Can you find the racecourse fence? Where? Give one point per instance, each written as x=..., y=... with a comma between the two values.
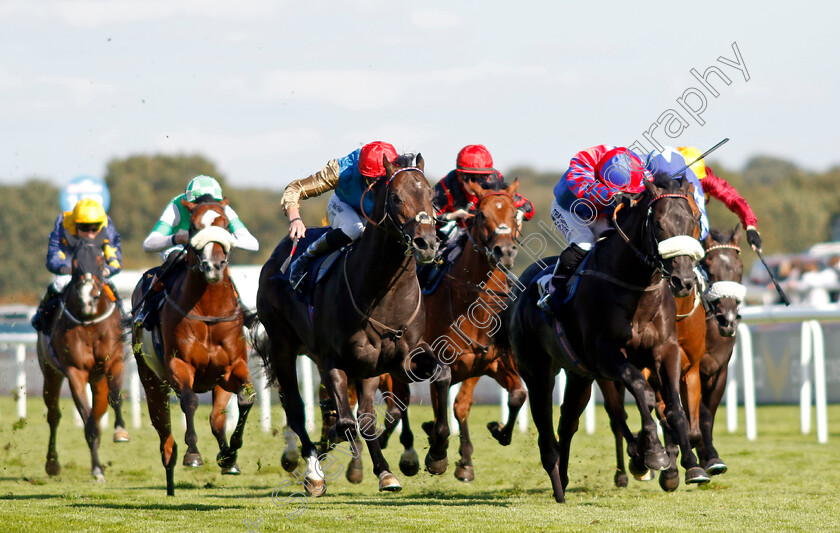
x=762, y=369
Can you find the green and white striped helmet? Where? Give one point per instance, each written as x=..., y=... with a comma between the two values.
x=201, y=185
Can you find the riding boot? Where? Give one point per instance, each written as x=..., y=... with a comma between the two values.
x=566, y=265
x=326, y=243
x=46, y=308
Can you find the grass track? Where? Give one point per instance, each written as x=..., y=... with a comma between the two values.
x=784, y=481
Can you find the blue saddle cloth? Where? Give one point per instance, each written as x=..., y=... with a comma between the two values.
x=318, y=267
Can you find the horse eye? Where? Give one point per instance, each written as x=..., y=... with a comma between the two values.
x=395, y=199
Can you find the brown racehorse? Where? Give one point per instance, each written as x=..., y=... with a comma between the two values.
x=723, y=265
x=85, y=346
x=202, y=341
x=365, y=319
x=462, y=316
x=620, y=320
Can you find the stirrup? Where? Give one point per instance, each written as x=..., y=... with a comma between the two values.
x=296, y=286
x=544, y=305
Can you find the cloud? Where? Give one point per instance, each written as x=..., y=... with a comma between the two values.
x=433, y=19
x=93, y=13
x=83, y=90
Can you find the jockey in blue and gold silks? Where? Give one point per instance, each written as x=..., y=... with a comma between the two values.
x=87, y=219
x=349, y=177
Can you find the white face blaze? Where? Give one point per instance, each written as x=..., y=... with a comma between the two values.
x=86, y=295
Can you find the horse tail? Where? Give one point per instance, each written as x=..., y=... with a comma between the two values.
x=261, y=345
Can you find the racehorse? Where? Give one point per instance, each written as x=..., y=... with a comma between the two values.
x=723, y=265
x=203, y=346
x=365, y=319
x=85, y=346
x=462, y=316
x=620, y=319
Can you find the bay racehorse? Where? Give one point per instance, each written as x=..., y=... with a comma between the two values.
x=619, y=320
x=202, y=343
x=85, y=346
x=725, y=269
x=365, y=319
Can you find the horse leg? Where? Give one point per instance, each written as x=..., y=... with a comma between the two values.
x=240, y=381
x=510, y=381
x=182, y=376
x=541, y=388
x=368, y=429
x=53, y=380
x=464, y=470
x=708, y=455
x=667, y=356
x=78, y=381
x=614, y=406
x=157, y=398
x=115, y=373
x=355, y=469
x=92, y=430
x=393, y=414
x=575, y=399
x=409, y=461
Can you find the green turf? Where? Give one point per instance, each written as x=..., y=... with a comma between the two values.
x=783, y=481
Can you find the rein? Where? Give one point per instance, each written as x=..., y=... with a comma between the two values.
x=96, y=320
x=398, y=333
x=201, y=318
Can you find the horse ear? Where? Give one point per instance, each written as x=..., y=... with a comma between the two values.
x=72, y=240
x=100, y=237
x=419, y=161
x=475, y=188
x=650, y=187
x=189, y=205
x=511, y=190
x=389, y=168
x=690, y=188
x=708, y=241
x=224, y=202
x=736, y=235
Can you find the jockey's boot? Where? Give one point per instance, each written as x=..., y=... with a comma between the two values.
x=46, y=308
x=566, y=265
x=330, y=241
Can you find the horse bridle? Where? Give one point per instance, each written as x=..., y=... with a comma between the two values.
x=724, y=289
x=420, y=218
x=677, y=245
x=87, y=277
x=199, y=266
x=489, y=240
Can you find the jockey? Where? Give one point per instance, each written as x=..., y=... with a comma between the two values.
x=86, y=220
x=583, y=197
x=455, y=201
x=171, y=232
x=349, y=177
x=719, y=188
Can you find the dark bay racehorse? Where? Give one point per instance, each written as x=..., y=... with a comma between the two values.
x=366, y=319
x=202, y=341
x=620, y=319
x=723, y=265
x=86, y=347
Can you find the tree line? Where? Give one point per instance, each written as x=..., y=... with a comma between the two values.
x=795, y=209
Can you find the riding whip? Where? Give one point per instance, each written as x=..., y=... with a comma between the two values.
x=707, y=152
x=288, y=260
x=773, y=277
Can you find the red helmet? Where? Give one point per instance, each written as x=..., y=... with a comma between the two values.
x=370, y=159
x=475, y=159
x=619, y=168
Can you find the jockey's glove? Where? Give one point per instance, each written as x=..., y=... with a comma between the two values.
x=753, y=237
x=458, y=213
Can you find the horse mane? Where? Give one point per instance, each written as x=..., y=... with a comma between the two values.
x=205, y=199
x=406, y=160
x=723, y=237
x=663, y=180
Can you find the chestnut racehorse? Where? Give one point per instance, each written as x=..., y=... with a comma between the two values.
x=365, y=319
x=202, y=341
x=85, y=346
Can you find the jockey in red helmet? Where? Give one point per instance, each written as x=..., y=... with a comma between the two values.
x=348, y=176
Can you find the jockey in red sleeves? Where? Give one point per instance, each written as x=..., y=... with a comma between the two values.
x=474, y=163
x=719, y=188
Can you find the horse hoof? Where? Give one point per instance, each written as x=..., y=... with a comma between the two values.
x=53, y=468
x=496, y=430
x=669, y=480
x=696, y=475
x=226, y=459
x=388, y=482
x=315, y=487
x=436, y=467
x=657, y=460
x=620, y=479
x=648, y=475
x=98, y=474
x=289, y=460
x=121, y=435
x=193, y=460
x=409, y=462
x=232, y=470
x=637, y=467
x=715, y=467
x=465, y=473
x=355, y=473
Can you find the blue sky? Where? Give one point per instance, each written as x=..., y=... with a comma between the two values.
x=270, y=90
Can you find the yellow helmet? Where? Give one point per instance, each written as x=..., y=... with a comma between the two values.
x=691, y=153
x=89, y=211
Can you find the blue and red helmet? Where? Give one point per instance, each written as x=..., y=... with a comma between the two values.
x=622, y=169
x=370, y=158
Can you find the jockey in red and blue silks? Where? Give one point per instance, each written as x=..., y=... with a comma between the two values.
x=583, y=196
x=349, y=177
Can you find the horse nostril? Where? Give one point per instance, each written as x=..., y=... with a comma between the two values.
x=497, y=251
x=420, y=243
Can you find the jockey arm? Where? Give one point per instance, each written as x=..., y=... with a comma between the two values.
x=322, y=181
x=58, y=261
x=112, y=247
x=719, y=188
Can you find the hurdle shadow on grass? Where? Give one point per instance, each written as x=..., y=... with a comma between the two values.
x=30, y=496
x=155, y=506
